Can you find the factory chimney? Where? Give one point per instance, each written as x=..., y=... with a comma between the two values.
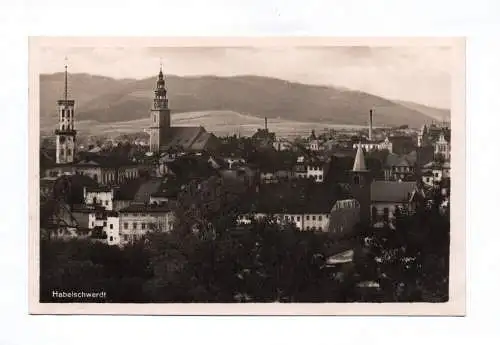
x=370, y=129
x=265, y=121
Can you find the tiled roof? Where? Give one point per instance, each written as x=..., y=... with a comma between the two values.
x=168, y=189
x=146, y=189
x=146, y=208
x=302, y=197
x=190, y=166
x=188, y=138
x=105, y=161
x=401, y=160
x=87, y=208
x=98, y=189
x=128, y=189
x=391, y=191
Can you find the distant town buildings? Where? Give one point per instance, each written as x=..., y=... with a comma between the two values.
x=116, y=193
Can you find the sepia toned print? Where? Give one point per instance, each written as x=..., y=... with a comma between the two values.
x=247, y=176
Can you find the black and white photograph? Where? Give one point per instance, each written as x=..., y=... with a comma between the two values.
x=246, y=172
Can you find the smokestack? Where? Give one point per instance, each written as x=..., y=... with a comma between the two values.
x=265, y=119
x=370, y=129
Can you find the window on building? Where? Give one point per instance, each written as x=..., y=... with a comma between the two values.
x=106, y=202
x=111, y=238
x=307, y=217
x=320, y=218
x=298, y=218
x=313, y=228
x=111, y=226
x=356, y=179
x=143, y=226
x=125, y=225
x=374, y=214
x=104, y=223
x=125, y=237
x=134, y=225
x=308, y=228
x=314, y=217
x=386, y=214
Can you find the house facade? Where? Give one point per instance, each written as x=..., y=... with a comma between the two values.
x=137, y=220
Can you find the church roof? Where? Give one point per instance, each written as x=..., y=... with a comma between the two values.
x=187, y=138
x=359, y=161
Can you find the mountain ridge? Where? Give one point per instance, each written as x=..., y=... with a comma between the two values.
x=108, y=100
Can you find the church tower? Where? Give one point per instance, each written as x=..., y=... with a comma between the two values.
x=65, y=132
x=361, y=185
x=160, y=116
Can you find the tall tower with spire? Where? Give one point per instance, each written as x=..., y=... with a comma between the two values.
x=65, y=132
x=361, y=185
x=160, y=115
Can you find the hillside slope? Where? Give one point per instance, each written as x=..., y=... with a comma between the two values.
x=108, y=100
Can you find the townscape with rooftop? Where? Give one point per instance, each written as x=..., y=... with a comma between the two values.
x=337, y=183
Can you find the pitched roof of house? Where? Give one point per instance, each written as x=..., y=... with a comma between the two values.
x=146, y=208
x=401, y=160
x=168, y=189
x=301, y=197
x=146, y=189
x=128, y=189
x=104, y=161
x=392, y=191
x=190, y=166
x=98, y=189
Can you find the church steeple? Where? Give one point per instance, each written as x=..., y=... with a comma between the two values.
x=160, y=99
x=65, y=132
x=360, y=184
x=66, y=79
x=160, y=115
x=359, y=161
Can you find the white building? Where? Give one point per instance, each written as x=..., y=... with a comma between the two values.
x=137, y=220
x=438, y=171
x=282, y=145
x=367, y=146
x=315, y=171
x=314, y=145
x=101, y=196
x=112, y=228
x=442, y=147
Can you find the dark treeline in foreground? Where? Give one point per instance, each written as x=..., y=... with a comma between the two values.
x=259, y=263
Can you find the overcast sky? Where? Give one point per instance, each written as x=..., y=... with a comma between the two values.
x=417, y=74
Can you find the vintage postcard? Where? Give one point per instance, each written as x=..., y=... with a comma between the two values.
x=247, y=176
